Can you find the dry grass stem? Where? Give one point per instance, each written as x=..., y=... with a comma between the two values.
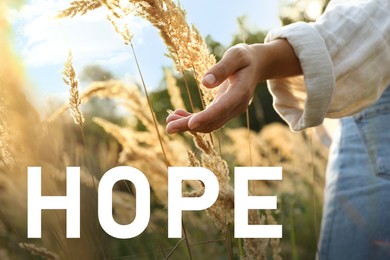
x=130, y=95
x=155, y=124
x=80, y=7
x=193, y=161
x=142, y=158
x=74, y=97
x=39, y=251
x=222, y=211
x=185, y=44
x=255, y=248
x=120, y=27
x=173, y=91
x=275, y=242
x=5, y=154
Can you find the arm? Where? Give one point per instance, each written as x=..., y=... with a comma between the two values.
x=238, y=72
x=344, y=58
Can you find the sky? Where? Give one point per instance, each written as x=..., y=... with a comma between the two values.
x=43, y=42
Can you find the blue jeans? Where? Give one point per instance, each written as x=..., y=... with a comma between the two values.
x=356, y=217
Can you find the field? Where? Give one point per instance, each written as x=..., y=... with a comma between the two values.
x=136, y=137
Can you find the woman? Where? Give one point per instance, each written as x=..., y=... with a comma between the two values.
x=337, y=67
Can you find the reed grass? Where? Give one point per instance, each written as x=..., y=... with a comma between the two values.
x=74, y=96
x=26, y=139
x=39, y=251
x=79, y=7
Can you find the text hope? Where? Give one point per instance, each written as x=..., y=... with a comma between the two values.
x=176, y=202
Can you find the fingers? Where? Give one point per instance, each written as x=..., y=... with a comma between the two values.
x=178, y=125
x=173, y=117
x=177, y=114
x=181, y=112
x=234, y=59
x=229, y=105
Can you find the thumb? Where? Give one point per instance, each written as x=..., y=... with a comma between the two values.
x=234, y=59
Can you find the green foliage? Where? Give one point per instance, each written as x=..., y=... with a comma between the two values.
x=297, y=10
x=95, y=73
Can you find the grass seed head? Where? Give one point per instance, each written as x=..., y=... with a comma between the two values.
x=74, y=96
x=79, y=7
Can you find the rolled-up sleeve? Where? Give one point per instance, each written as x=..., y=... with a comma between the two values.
x=345, y=59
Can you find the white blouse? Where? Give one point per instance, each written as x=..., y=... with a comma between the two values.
x=345, y=59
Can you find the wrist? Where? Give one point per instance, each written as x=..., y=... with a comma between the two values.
x=261, y=59
x=275, y=59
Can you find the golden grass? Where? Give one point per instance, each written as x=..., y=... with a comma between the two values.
x=79, y=7
x=26, y=140
x=185, y=45
x=74, y=96
x=173, y=91
x=39, y=251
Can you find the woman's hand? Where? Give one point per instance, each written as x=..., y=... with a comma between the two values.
x=237, y=74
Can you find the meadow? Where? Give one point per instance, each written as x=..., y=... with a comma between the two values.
x=75, y=136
